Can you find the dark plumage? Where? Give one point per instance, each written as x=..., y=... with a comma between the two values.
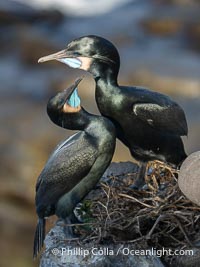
x=150, y=124
x=76, y=164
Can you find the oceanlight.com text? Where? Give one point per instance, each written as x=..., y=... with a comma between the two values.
x=79, y=251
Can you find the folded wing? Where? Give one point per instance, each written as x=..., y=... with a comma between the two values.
x=164, y=118
x=65, y=168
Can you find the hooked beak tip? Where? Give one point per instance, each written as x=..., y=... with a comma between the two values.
x=55, y=56
x=46, y=58
x=78, y=80
x=40, y=60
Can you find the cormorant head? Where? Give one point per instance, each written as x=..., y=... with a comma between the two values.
x=67, y=101
x=90, y=53
x=64, y=108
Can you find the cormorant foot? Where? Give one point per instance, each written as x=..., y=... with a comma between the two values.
x=140, y=179
x=69, y=230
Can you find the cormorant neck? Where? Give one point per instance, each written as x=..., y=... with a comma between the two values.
x=103, y=71
x=72, y=121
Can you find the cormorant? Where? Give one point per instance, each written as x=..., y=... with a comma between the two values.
x=150, y=124
x=76, y=164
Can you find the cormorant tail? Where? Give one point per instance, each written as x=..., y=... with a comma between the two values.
x=39, y=237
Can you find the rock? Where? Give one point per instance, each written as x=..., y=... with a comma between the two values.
x=167, y=84
x=189, y=261
x=193, y=35
x=61, y=253
x=188, y=180
x=181, y=2
x=12, y=13
x=121, y=168
x=162, y=27
x=33, y=45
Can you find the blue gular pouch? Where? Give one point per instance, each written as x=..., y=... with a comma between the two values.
x=74, y=100
x=72, y=62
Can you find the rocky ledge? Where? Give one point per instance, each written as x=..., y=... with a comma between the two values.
x=69, y=253
x=123, y=227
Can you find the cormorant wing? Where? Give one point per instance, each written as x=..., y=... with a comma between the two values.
x=62, y=144
x=67, y=165
x=168, y=118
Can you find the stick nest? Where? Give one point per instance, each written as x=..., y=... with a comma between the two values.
x=158, y=216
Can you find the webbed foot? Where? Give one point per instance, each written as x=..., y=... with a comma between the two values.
x=140, y=179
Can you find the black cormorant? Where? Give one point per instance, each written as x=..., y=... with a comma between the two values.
x=77, y=164
x=150, y=124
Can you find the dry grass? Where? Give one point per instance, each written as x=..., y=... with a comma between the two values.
x=159, y=216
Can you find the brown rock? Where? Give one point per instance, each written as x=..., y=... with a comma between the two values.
x=34, y=45
x=162, y=26
x=167, y=84
x=189, y=177
x=181, y=2
x=193, y=35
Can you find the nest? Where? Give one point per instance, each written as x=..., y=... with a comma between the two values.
x=158, y=216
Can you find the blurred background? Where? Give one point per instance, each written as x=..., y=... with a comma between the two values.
x=159, y=45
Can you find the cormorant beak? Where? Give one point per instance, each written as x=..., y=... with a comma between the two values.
x=66, y=101
x=56, y=56
x=68, y=57
x=69, y=91
x=75, y=60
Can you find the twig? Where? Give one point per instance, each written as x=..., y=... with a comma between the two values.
x=154, y=226
x=136, y=200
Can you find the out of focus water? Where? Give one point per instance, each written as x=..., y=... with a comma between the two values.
x=159, y=44
x=78, y=7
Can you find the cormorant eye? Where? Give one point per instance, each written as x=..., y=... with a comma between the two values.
x=77, y=54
